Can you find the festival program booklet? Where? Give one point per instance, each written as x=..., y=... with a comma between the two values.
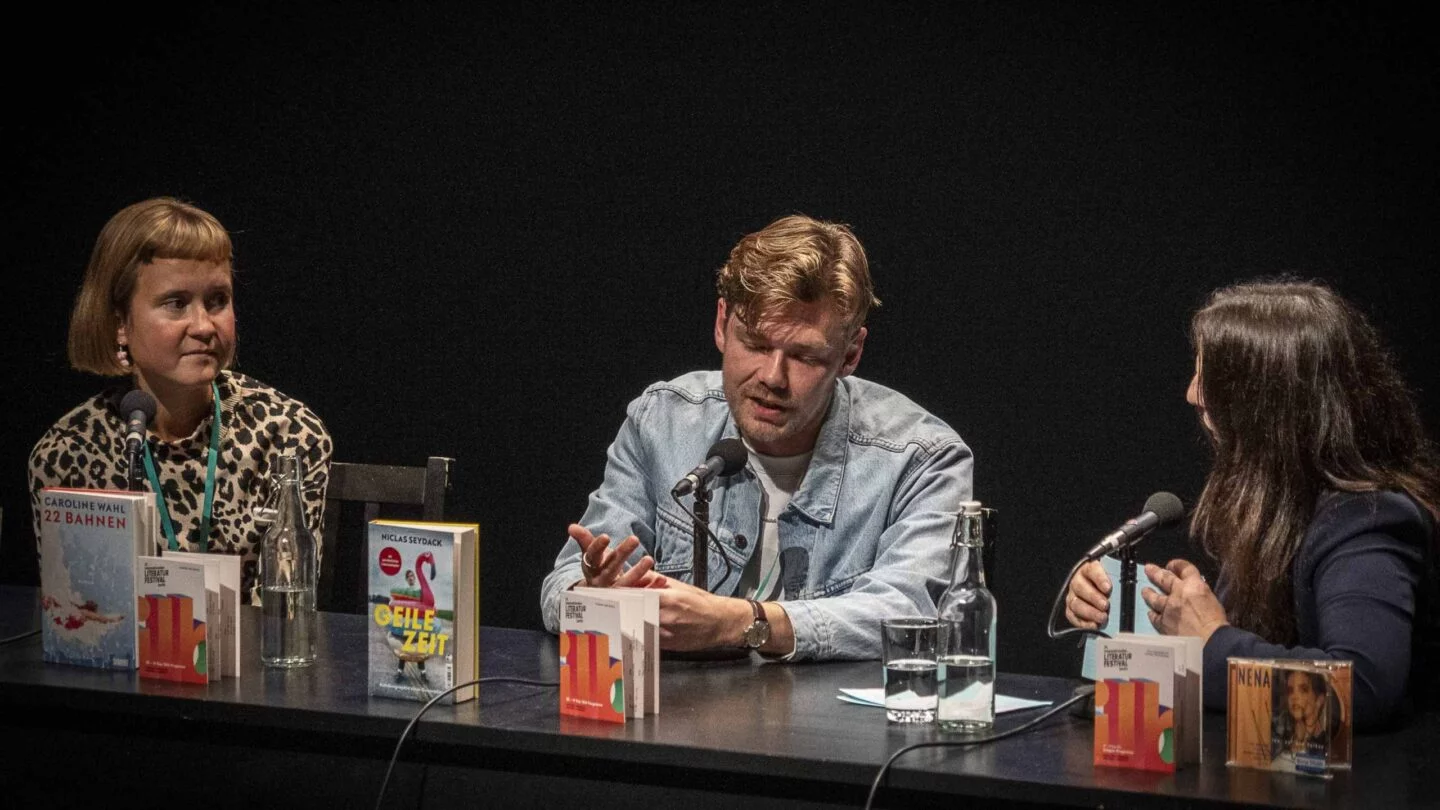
x=222, y=584
x=1148, y=702
x=171, y=609
x=609, y=653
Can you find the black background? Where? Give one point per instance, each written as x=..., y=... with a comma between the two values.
x=479, y=232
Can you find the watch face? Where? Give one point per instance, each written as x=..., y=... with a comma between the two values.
x=757, y=634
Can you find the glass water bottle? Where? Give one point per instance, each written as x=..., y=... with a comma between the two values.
x=288, y=572
x=967, y=632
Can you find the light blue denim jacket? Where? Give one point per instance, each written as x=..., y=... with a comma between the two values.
x=866, y=536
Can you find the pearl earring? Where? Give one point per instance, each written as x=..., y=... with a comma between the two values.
x=123, y=356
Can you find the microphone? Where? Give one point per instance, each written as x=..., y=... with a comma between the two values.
x=1161, y=509
x=138, y=409
x=726, y=457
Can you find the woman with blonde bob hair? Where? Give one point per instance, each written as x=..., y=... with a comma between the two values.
x=156, y=309
x=1319, y=508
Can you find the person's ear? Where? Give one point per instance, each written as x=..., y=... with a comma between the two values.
x=853, y=352
x=722, y=315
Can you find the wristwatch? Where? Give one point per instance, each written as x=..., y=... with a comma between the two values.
x=759, y=630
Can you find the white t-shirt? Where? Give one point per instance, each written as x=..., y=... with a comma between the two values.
x=780, y=476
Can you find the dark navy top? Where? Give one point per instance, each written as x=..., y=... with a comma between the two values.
x=1363, y=592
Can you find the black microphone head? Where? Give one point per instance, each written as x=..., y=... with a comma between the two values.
x=138, y=400
x=1166, y=507
x=734, y=454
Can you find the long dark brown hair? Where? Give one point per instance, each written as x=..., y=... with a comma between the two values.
x=1301, y=397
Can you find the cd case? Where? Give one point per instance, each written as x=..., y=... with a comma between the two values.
x=1291, y=716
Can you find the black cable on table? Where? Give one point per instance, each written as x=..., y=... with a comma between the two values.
x=875, y=786
x=395, y=757
x=21, y=637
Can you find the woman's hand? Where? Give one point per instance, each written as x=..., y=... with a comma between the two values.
x=1087, y=602
x=1184, y=605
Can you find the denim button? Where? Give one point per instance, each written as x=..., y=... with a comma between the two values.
x=741, y=542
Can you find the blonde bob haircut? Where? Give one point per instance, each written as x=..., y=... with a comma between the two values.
x=159, y=228
x=798, y=259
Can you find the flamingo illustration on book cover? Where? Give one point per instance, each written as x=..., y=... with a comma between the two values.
x=412, y=613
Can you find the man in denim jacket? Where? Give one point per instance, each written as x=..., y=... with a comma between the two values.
x=843, y=515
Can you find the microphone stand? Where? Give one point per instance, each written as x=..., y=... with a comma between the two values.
x=1127, y=589
x=699, y=566
x=701, y=534
x=134, y=477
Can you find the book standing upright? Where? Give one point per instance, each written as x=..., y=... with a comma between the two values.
x=89, y=543
x=222, y=586
x=424, y=609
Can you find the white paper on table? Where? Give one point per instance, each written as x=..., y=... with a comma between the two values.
x=876, y=697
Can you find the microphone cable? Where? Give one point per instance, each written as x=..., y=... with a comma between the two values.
x=19, y=637
x=385, y=783
x=710, y=539
x=1055, y=611
x=1054, y=710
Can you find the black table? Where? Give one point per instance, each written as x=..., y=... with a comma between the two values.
x=744, y=734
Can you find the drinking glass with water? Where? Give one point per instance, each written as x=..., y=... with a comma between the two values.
x=910, y=646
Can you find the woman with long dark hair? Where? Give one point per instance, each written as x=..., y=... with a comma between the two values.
x=1320, y=505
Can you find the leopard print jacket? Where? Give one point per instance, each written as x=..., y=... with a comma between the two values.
x=86, y=448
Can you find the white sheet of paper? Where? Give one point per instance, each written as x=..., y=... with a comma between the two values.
x=876, y=697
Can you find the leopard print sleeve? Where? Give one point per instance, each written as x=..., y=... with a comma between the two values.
x=82, y=450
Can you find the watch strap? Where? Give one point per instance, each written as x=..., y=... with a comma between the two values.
x=759, y=611
x=759, y=630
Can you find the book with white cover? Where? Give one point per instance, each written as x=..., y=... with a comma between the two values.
x=89, y=542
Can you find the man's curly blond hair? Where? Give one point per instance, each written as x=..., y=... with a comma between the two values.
x=798, y=259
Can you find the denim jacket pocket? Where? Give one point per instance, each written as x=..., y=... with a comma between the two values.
x=674, y=541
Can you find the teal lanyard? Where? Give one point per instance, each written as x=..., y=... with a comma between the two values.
x=763, y=591
x=202, y=539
